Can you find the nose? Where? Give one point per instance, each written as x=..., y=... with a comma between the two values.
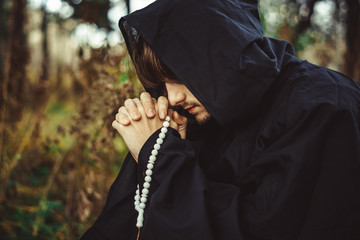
x=174, y=94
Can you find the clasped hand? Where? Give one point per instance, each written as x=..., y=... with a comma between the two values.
x=138, y=119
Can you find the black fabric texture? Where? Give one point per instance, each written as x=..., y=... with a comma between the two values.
x=280, y=159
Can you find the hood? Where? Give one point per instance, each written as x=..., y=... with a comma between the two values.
x=216, y=48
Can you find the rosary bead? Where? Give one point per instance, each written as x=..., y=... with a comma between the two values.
x=140, y=201
x=149, y=172
x=145, y=191
x=137, y=206
x=156, y=146
x=150, y=166
x=164, y=130
x=146, y=185
x=148, y=179
x=159, y=141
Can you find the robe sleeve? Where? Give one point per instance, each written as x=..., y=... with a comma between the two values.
x=117, y=219
x=307, y=186
x=183, y=203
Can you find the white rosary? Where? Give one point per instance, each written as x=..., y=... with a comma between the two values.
x=140, y=202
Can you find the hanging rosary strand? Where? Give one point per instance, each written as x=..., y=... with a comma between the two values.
x=140, y=201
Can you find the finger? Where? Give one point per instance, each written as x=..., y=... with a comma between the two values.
x=122, y=118
x=132, y=109
x=148, y=105
x=180, y=120
x=163, y=105
x=155, y=104
x=115, y=124
x=173, y=124
x=139, y=106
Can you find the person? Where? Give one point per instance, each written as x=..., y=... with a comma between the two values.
x=261, y=145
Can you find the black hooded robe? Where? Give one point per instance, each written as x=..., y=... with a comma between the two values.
x=279, y=160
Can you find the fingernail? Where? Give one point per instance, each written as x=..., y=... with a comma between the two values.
x=162, y=114
x=124, y=121
x=151, y=112
x=135, y=115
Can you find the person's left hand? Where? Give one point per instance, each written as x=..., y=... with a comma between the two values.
x=138, y=131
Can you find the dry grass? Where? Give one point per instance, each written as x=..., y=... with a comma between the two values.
x=61, y=157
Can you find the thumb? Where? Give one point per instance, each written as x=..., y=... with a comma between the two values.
x=181, y=121
x=172, y=122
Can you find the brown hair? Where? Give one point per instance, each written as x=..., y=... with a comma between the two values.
x=152, y=72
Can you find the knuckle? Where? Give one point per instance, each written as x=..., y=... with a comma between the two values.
x=122, y=116
x=138, y=103
x=116, y=125
x=128, y=102
x=146, y=99
x=142, y=94
x=122, y=109
x=162, y=99
x=145, y=95
x=147, y=103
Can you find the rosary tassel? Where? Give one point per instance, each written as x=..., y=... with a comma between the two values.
x=137, y=238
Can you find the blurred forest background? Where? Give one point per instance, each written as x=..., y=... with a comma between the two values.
x=64, y=73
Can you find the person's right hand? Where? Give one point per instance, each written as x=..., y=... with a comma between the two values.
x=152, y=107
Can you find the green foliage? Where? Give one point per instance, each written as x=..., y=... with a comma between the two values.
x=63, y=155
x=309, y=37
x=263, y=22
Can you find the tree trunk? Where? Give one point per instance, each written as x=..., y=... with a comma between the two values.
x=352, y=55
x=127, y=5
x=3, y=34
x=45, y=52
x=13, y=77
x=305, y=16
